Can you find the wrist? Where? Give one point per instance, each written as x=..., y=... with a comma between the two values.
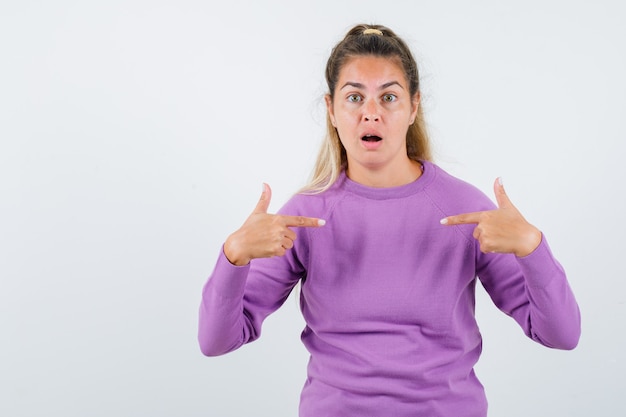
x=233, y=255
x=531, y=241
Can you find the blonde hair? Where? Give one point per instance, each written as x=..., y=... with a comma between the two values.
x=368, y=40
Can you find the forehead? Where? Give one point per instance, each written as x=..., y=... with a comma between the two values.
x=367, y=69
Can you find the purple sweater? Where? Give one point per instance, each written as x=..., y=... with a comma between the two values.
x=388, y=299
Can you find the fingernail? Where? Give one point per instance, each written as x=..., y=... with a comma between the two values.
x=500, y=181
x=443, y=221
x=321, y=222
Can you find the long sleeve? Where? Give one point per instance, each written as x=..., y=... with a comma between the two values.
x=237, y=299
x=222, y=325
x=535, y=292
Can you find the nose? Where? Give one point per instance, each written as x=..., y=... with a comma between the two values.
x=371, y=112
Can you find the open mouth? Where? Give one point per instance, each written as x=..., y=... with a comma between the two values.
x=371, y=138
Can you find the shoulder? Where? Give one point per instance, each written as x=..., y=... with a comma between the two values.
x=313, y=204
x=453, y=195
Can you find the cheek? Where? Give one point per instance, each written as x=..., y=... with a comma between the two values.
x=345, y=117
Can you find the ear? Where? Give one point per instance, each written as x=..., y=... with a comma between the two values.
x=415, y=105
x=329, y=109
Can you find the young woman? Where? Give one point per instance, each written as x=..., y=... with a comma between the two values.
x=387, y=248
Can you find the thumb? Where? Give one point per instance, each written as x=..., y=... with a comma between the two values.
x=501, y=197
x=264, y=201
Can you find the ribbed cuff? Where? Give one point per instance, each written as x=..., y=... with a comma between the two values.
x=540, y=267
x=229, y=280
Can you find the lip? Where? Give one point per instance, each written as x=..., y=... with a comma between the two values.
x=371, y=145
x=371, y=133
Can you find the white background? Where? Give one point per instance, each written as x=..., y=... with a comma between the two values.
x=135, y=135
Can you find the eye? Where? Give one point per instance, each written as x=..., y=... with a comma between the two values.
x=354, y=98
x=388, y=98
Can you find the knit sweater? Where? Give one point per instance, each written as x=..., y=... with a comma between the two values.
x=388, y=296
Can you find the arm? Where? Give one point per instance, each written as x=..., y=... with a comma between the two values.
x=254, y=274
x=518, y=270
x=535, y=292
x=223, y=324
x=237, y=299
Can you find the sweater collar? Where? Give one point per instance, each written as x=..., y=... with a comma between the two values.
x=374, y=193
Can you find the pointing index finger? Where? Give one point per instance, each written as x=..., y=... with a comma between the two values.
x=303, y=221
x=465, y=218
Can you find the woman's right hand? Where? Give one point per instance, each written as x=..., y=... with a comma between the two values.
x=264, y=235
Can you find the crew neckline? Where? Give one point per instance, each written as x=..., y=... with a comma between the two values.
x=384, y=193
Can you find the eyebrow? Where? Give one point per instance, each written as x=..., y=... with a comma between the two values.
x=382, y=87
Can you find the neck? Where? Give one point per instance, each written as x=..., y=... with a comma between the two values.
x=385, y=178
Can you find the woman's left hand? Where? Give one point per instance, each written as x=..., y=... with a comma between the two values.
x=503, y=230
